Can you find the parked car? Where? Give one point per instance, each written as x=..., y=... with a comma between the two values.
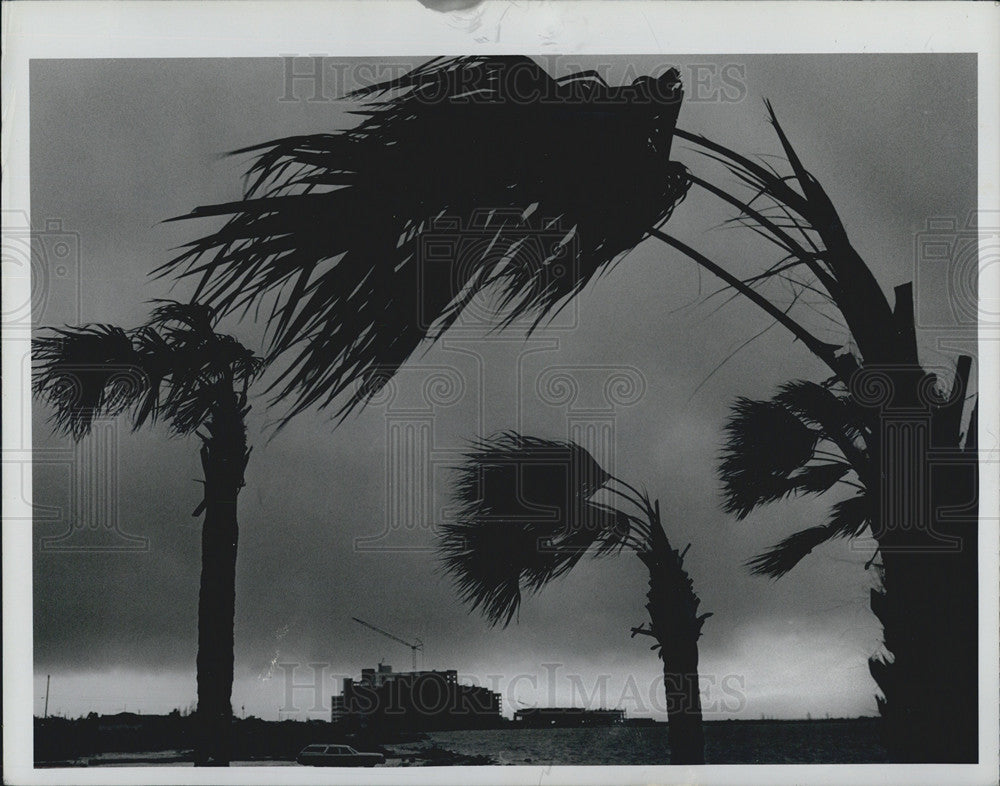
x=337, y=756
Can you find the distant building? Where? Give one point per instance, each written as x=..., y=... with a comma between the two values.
x=544, y=717
x=414, y=701
x=122, y=722
x=338, y=709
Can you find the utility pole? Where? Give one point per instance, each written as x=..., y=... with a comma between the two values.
x=48, y=679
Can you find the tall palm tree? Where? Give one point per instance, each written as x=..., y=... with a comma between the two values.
x=897, y=426
x=529, y=509
x=178, y=369
x=331, y=236
x=814, y=439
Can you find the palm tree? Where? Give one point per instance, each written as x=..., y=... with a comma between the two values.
x=813, y=439
x=897, y=427
x=331, y=236
x=529, y=509
x=178, y=369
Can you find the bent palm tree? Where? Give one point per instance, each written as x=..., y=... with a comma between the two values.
x=534, y=186
x=178, y=369
x=528, y=511
x=898, y=428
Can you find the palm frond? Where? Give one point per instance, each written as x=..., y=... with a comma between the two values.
x=524, y=517
x=87, y=373
x=849, y=518
x=820, y=406
x=784, y=556
x=839, y=418
x=467, y=177
x=200, y=366
x=771, y=447
x=765, y=443
x=825, y=247
x=197, y=318
x=175, y=367
x=817, y=478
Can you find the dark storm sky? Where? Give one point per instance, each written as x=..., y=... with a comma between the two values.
x=117, y=146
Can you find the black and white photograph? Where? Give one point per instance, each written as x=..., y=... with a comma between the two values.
x=533, y=392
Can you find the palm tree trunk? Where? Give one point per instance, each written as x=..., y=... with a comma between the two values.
x=224, y=457
x=928, y=601
x=680, y=685
x=676, y=626
x=927, y=607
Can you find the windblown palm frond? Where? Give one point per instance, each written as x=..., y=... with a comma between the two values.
x=468, y=177
x=87, y=373
x=525, y=516
x=805, y=440
x=818, y=405
x=794, y=212
x=780, y=559
x=199, y=364
x=174, y=367
x=849, y=519
x=765, y=444
x=772, y=447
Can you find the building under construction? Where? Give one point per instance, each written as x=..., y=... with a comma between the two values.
x=413, y=701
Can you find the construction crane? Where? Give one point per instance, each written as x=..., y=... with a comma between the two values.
x=418, y=645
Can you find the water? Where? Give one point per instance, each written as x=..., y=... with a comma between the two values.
x=763, y=742
x=736, y=742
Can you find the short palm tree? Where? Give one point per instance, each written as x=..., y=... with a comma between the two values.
x=538, y=185
x=529, y=509
x=174, y=368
